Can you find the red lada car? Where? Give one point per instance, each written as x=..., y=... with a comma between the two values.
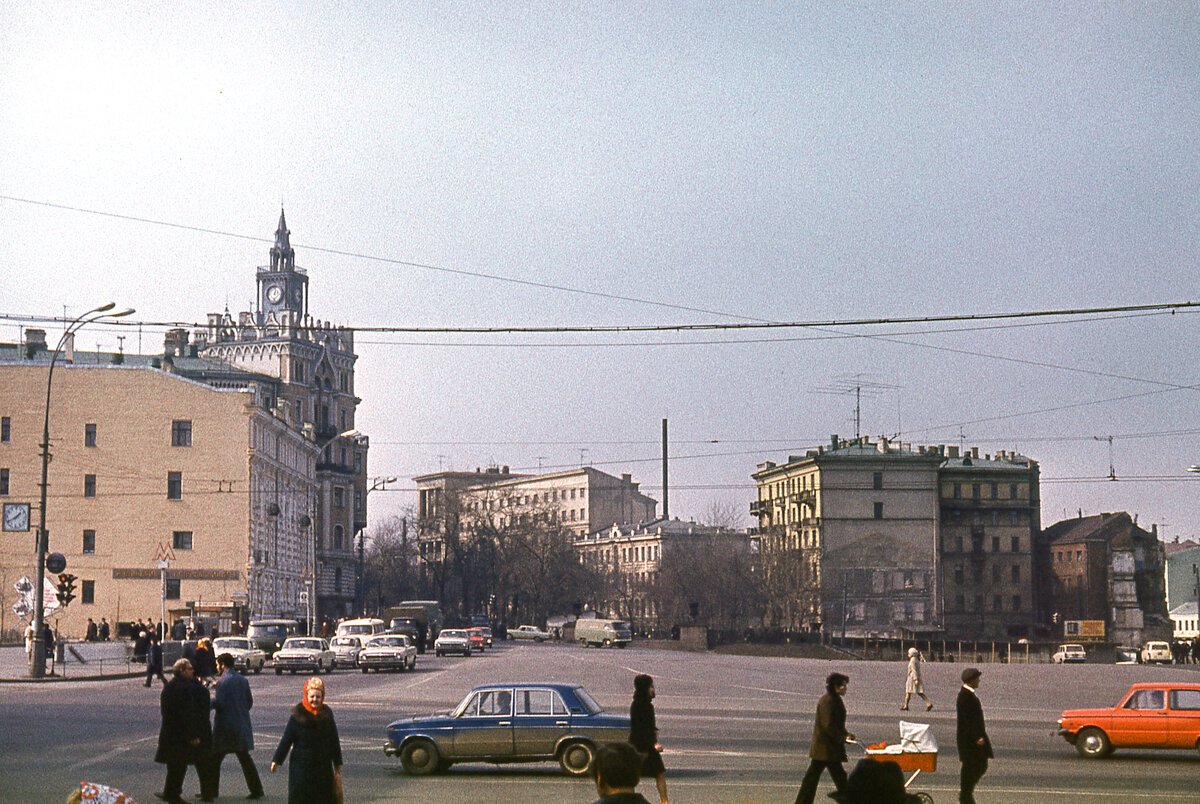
x=1162, y=715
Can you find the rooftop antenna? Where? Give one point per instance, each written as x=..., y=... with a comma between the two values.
x=1112, y=472
x=441, y=459
x=540, y=458
x=121, y=344
x=582, y=453
x=859, y=385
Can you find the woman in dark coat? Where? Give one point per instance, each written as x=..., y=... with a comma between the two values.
x=643, y=733
x=312, y=737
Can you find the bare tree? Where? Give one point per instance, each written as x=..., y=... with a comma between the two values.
x=708, y=580
x=390, y=563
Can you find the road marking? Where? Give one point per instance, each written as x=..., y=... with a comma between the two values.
x=110, y=755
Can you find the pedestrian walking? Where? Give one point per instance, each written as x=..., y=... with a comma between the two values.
x=205, y=661
x=974, y=747
x=643, y=733
x=185, y=737
x=92, y=631
x=154, y=660
x=103, y=631
x=617, y=769
x=828, y=749
x=141, y=641
x=30, y=633
x=232, y=733
x=912, y=684
x=315, y=769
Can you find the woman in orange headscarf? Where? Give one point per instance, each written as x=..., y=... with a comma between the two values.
x=315, y=771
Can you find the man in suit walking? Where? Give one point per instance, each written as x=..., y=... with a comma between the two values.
x=828, y=750
x=974, y=747
x=232, y=733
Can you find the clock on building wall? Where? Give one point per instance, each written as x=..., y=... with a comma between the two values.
x=16, y=516
x=274, y=294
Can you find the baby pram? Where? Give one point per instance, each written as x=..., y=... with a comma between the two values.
x=872, y=781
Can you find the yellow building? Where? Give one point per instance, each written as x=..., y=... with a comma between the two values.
x=148, y=466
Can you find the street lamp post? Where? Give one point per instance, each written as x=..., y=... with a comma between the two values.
x=377, y=484
x=37, y=667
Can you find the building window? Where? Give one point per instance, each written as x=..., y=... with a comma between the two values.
x=181, y=540
x=975, y=491
x=877, y=481
x=339, y=535
x=89, y=435
x=174, y=485
x=89, y=542
x=995, y=544
x=1014, y=518
x=995, y=517
x=5, y=429
x=172, y=588
x=87, y=593
x=1016, y=573
x=879, y=510
x=1012, y=490
x=996, y=574
x=358, y=502
x=957, y=490
x=582, y=493
x=998, y=603
x=337, y=580
x=3, y=482
x=1016, y=544
x=958, y=544
x=181, y=433
x=339, y=495
x=995, y=491
x=89, y=485
x=1016, y=602
x=958, y=575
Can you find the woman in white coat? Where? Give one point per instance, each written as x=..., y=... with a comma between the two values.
x=912, y=684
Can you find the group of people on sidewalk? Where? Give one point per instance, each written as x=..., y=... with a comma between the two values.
x=187, y=738
x=872, y=781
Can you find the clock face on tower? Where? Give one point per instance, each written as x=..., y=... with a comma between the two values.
x=274, y=294
x=16, y=516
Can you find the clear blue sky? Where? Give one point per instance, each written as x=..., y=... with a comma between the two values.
x=755, y=161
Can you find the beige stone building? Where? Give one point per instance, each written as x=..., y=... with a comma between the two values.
x=148, y=465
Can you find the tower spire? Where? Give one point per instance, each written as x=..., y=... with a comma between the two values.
x=283, y=257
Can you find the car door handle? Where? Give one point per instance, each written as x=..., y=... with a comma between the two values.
x=505, y=722
x=562, y=723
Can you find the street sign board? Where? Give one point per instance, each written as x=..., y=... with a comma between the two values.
x=56, y=563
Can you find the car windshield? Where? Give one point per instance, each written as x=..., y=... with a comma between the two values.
x=386, y=642
x=232, y=642
x=303, y=644
x=454, y=634
x=356, y=629
x=344, y=642
x=267, y=630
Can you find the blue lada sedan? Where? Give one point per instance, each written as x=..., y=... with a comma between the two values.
x=509, y=722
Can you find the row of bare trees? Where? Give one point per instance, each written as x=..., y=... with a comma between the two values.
x=527, y=570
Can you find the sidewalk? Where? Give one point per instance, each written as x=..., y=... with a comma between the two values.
x=84, y=662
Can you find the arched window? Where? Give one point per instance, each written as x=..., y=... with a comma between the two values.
x=338, y=535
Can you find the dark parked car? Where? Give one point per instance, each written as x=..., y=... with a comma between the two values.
x=509, y=722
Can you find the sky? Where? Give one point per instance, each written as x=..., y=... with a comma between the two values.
x=490, y=165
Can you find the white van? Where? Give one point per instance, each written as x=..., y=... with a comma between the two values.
x=603, y=632
x=362, y=627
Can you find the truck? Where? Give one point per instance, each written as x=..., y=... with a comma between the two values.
x=607, y=633
x=427, y=614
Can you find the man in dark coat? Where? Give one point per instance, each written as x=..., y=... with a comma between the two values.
x=232, y=733
x=103, y=631
x=828, y=750
x=154, y=660
x=186, y=736
x=974, y=747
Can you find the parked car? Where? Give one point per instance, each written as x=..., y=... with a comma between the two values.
x=1069, y=653
x=311, y=654
x=1124, y=654
x=606, y=633
x=388, y=652
x=246, y=655
x=1157, y=653
x=346, y=650
x=452, y=640
x=478, y=641
x=529, y=632
x=1149, y=715
x=270, y=634
x=511, y=722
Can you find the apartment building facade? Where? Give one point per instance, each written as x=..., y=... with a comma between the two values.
x=867, y=538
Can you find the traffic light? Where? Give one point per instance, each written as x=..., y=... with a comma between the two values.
x=66, y=588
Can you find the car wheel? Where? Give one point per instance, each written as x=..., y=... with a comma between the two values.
x=576, y=758
x=621, y=644
x=365, y=669
x=329, y=669
x=419, y=757
x=278, y=671
x=539, y=639
x=583, y=642
x=1092, y=743
x=258, y=669
x=438, y=654
x=924, y=798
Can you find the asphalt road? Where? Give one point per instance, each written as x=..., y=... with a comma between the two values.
x=735, y=729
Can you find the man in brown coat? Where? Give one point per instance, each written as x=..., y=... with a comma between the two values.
x=828, y=750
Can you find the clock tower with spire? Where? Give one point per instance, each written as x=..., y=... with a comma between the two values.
x=281, y=285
